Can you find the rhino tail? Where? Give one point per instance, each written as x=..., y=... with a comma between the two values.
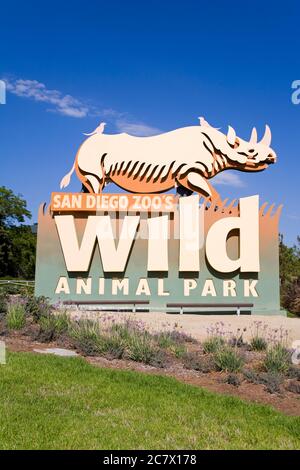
x=66, y=179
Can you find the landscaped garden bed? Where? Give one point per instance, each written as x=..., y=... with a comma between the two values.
x=259, y=369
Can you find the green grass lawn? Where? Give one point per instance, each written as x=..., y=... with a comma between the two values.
x=47, y=402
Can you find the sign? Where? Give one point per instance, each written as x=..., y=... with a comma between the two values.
x=158, y=247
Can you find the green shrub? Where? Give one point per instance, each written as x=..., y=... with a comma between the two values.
x=141, y=348
x=159, y=358
x=164, y=339
x=52, y=326
x=128, y=329
x=294, y=386
x=179, y=350
x=38, y=307
x=237, y=341
x=15, y=317
x=11, y=289
x=294, y=372
x=173, y=339
x=251, y=376
x=277, y=359
x=3, y=303
x=228, y=359
x=140, y=345
x=182, y=337
x=271, y=381
x=170, y=340
x=86, y=335
x=193, y=360
x=175, y=336
x=120, y=340
x=110, y=345
x=233, y=379
x=88, y=338
x=258, y=343
x=213, y=344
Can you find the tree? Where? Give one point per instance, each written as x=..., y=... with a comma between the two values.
x=17, y=242
x=289, y=263
x=12, y=208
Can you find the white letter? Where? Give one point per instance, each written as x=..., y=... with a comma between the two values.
x=296, y=93
x=120, y=284
x=62, y=286
x=229, y=288
x=101, y=285
x=79, y=258
x=189, y=284
x=250, y=288
x=209, y=288
x=84, y=285
x=76, y=259
x=161, y=289
x=189, y=234
x=158, y=244
x=115, y=259
x=248, y=225
x=56, y=201
x=143, y=287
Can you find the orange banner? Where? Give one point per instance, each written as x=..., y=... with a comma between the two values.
x=89, y=202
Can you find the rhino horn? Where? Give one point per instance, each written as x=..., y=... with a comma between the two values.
x=266, y=140
x=253, y=138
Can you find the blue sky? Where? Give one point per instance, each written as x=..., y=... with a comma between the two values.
x=145, y=67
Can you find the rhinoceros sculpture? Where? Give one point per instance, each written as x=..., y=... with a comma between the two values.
x=188, y=157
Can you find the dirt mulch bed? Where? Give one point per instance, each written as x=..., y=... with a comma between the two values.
x=287, y=403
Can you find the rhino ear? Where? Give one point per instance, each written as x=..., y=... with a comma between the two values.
x=203, y=122
x=231, y=135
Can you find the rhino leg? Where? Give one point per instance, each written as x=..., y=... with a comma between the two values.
x=195, y=182
x=93, y=182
